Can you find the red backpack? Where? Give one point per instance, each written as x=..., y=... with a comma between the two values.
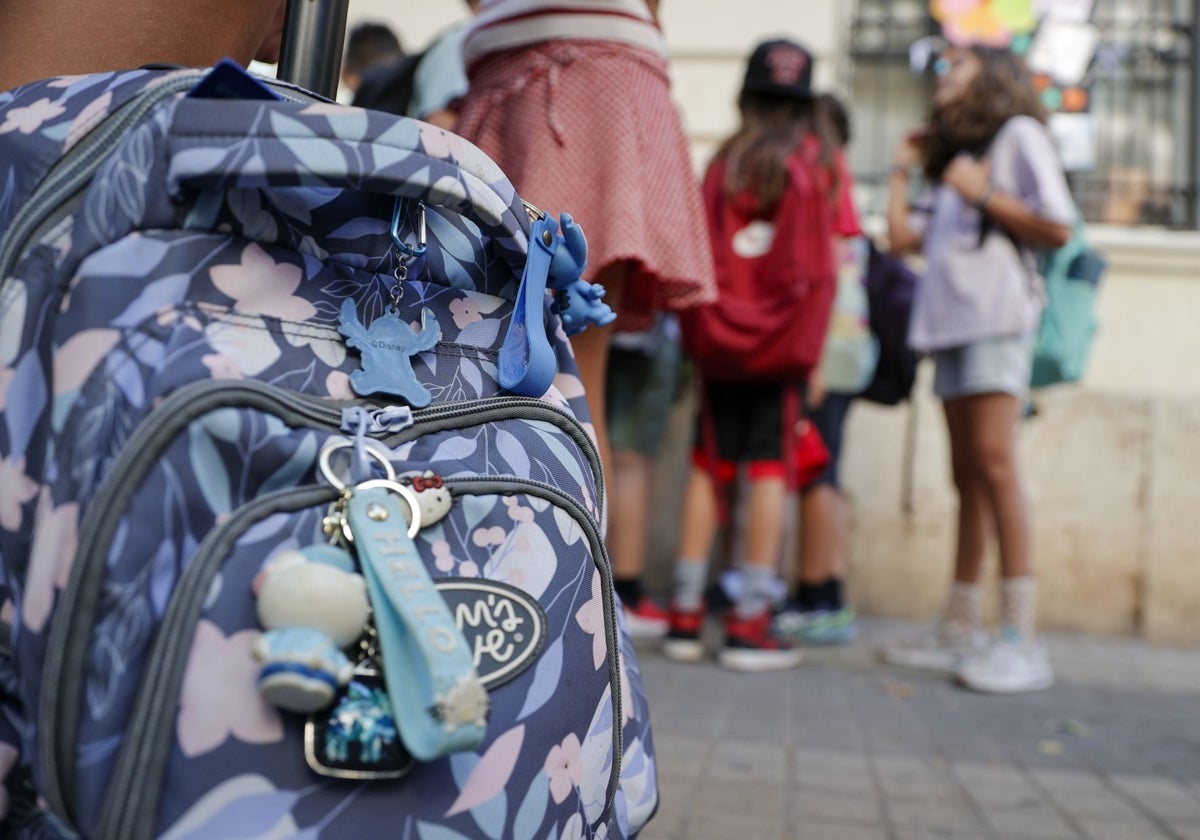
x=773, y=304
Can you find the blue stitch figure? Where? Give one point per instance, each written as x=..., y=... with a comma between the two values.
x=387, y=349
x=362, y=717
x=575, y=300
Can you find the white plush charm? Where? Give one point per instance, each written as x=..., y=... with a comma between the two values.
x=312, y=605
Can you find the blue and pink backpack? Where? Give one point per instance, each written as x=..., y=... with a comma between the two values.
x=236, y=333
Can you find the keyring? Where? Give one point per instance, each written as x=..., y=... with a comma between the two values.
x=345, y=443
x=414, y=505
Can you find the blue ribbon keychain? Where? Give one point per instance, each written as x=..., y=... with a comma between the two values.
x=555, y=262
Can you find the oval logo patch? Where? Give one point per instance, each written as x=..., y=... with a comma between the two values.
x=505, y=627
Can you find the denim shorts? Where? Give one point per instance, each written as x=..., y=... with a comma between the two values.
x=992, y=366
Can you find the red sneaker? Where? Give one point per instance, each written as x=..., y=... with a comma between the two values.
x=647, y=620
x=683, y=642
x=750, y=645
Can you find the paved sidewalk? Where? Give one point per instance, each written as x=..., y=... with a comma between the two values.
x=844, y=748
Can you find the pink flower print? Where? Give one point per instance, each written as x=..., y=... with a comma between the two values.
x=220, y=694
x=222, y=366
x=465, y=311
x=95, y=111
x=469, y=569
x=442, y=558
x=263, y=286
x=79, y=355
x=31, y=117
x=591, y=619
x=338, y=386
x=484, y=537
x=440, y=143
x=53, y=551
x=16, y=489
x=520, y=513
x=564, y=768
x=569, y=385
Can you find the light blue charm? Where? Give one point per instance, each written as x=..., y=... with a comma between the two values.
x=387, y=349
x=577, y=301
x=438, y=700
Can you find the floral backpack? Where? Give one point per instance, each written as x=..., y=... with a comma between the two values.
x=300, y=517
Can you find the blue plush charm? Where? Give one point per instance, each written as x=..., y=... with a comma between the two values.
x=555, y=263
x=578, y=302
x=387, y=349
x=312, y=605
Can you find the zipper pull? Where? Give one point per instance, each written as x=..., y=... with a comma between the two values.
x=392, y=418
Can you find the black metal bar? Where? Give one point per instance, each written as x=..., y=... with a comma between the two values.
x=1193, y=206
x=312, y=44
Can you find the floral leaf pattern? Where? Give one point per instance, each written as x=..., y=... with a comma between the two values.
x=249, y=285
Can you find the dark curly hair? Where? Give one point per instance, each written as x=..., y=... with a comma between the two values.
x=1003, y=89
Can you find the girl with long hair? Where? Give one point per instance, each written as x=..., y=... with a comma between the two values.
x=996, y=193
x=777, y=195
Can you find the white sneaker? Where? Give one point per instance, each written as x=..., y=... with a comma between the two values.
x=1008, y=667
x=935, y=649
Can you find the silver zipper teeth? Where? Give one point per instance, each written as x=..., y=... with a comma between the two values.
x=75, y=609
x=145, y=752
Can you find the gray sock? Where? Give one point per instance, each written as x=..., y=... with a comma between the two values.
x=757, y=591
x=691, y=576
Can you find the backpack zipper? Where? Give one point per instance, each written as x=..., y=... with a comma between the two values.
x=74, y=614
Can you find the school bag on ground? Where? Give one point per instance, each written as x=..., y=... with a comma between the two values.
x=206, y=305
x=1072, y=276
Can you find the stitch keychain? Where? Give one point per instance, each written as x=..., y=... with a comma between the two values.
x=389, y=344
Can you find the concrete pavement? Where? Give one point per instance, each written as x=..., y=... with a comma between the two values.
x=845, y=748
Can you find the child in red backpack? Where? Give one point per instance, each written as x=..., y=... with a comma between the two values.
x=777, y=196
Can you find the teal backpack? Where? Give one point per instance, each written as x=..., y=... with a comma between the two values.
x=1064, y=339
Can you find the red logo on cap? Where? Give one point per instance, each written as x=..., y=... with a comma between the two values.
x=787, y=64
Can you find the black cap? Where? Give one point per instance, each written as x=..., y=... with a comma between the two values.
x=780, y=68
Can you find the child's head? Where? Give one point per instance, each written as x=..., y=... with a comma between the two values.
x=779, y=109
x=978, y=90
x=779, y=69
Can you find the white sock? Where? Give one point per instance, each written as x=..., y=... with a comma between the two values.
x=964, y=610
x=1018, y=607
x=691, y=576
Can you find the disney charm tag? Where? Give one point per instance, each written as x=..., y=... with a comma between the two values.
x=387, y=349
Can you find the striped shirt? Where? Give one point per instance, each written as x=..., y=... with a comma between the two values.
x=506, y=24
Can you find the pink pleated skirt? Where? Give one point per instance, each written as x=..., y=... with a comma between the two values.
x=589, y=128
